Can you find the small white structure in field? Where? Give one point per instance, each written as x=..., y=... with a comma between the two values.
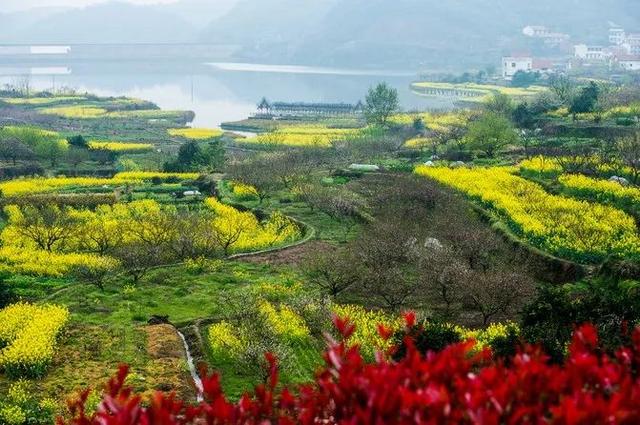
x=512, y=64
x=432, y=243
x=621, y=180
x=457, y=164
x=550, y=38
x=192, y=193
x=364, y=167
x=537, y=31
x=429, y=164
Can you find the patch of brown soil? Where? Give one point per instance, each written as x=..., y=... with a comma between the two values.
x=289, y=256
x=163, y=342
x=167, y=366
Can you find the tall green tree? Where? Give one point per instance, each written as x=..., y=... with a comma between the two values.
x=381, y=103
x=525, y=79
x=195, y=156
x=586, y=100
x=51, y=150
x=523, y=116
x=491, y=133
x=500, y=104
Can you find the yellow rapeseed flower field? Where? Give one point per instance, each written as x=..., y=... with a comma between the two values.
x=566, y=227
x=604, y=191
x=120, y=147
x=243, y=191
x=366, y=322
x=28, y=336
x=93, y=232
x=26, y=260
x=74, y=112
x=41, y=100
x=244, y=232
x=303, y=136
x=285, y=322
x=28, y=186
x=195, y=133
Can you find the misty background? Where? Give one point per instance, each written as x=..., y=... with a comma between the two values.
x=183, y=54
x=363, y=33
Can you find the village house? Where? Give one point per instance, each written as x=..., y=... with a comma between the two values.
x=630, y=42
x=616, y=36
x=629, y=62
x=512, y=64
x=590, y=53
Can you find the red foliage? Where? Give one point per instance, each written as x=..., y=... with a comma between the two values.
x=454, y=386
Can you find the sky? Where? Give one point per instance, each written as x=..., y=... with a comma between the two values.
x=17, y=5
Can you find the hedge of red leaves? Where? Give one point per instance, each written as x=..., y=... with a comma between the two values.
x=457, y=385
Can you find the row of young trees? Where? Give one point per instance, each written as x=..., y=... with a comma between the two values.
x=139, y=235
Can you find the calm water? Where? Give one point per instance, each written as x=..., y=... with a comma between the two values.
x=219, y=92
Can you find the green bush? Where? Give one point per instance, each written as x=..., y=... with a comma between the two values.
x=608, y=304
x=427, y=336
x=19, y=407
x=625, y=121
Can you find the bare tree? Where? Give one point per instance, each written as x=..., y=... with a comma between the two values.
x=333, y=270
x=256, y=173
x=443, y=275
x=496, y=292
x=22, y=85
x=11, y=149
x=48, y=226
x=195, y=236
x=579, y=157
x=137, y=258
x=152, y=228
x=385, y=254
x=628, y=150
x=563, y=87
x=341, y=205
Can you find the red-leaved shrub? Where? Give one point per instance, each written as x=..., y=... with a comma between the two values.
x=456, y=385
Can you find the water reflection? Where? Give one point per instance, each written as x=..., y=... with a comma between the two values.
x=225, y=92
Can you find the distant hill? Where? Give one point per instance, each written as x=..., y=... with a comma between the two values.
x=406, y=32
x=271, y=28
x=103, y=23
x=361, y=33
x=199, y=13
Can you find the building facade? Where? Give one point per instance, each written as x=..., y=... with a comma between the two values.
x=616, y=36
x=512, y=64
x=632, y=44
x=629, y=63
x=589, y=53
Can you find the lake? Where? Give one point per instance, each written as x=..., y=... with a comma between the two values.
x=219, y=92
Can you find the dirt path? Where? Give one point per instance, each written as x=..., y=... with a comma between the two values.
x=290, y=256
